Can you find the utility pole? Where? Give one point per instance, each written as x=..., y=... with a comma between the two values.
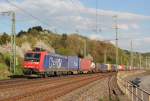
x=131, y=55
x=116, y=29
x=85, y=48
x=146, y=63
x=96, y=16
x=140, y=66
x=121, y=60
x=105, y=56
x=14, y=40
x=85, y=45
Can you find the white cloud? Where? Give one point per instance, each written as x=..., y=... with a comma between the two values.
x=135, y=26
x=146, y=40
x=66, y=16
x=96, y=37
x=123, y=26
x=60, y=12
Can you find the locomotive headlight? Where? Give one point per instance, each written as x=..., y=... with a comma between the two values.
x=36, y=63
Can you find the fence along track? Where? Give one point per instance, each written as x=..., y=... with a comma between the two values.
x=133, y=92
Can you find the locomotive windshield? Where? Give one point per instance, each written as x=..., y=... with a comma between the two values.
x=34, y=57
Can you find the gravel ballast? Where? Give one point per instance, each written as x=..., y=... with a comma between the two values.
x=96, y=91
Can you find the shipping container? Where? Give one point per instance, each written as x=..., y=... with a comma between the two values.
x=113, y=68
x=109, y=67
x=97, y=67
x=93, y=65
x=73, y=63
x=103, y=67
x=85, y=65
x=121, y=67
x=56, y=62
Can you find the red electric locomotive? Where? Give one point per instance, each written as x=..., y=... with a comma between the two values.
x=34, y=62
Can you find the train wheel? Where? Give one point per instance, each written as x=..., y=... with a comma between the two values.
x=45, y=75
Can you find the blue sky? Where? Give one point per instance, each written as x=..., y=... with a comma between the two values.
x=65, y=16
x=133, y=6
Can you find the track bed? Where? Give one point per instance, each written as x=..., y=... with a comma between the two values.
x=45, y=89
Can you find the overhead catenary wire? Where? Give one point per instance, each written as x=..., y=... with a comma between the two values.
x=3, y=14
x=85, y=41
x=26, y=12
x=77, y=30
x=96, y=17
x=98, y=24
x=80, y=13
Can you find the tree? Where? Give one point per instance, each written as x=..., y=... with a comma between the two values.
x=64, y=40
x=38, y=28
x=21, y=33
x=4, y=38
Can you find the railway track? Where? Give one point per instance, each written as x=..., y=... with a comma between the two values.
x=114, y=90
x=6, y=84
x=48, y=89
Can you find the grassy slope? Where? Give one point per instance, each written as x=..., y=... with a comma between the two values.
x=4, y=73
x=71, y=45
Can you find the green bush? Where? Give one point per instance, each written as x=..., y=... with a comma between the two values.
x=65, y=51
x=4, y=73
x=7, y=57
x=18, y=68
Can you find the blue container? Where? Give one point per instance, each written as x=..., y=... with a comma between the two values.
x=114, y=68
x=55, y=61
x=103, y=67
x=73, y=63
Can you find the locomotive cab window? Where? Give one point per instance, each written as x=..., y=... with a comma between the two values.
x=34, y=57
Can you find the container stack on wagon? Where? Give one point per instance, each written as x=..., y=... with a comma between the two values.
x=74, y=64
x=103, y=68
x=114, y=68
x=85, y=65
x=55, y=62
x=121, y=67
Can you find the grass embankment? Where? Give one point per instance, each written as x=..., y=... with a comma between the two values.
x=5, y=70
x=4, y=73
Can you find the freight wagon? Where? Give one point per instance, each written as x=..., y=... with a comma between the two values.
x=114, y=68
x=106, y=67
x=55, y=64
x=103, y=68
x=121, y=67
x=85, y=65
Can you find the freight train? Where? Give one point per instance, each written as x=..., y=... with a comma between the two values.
x=47, y=64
